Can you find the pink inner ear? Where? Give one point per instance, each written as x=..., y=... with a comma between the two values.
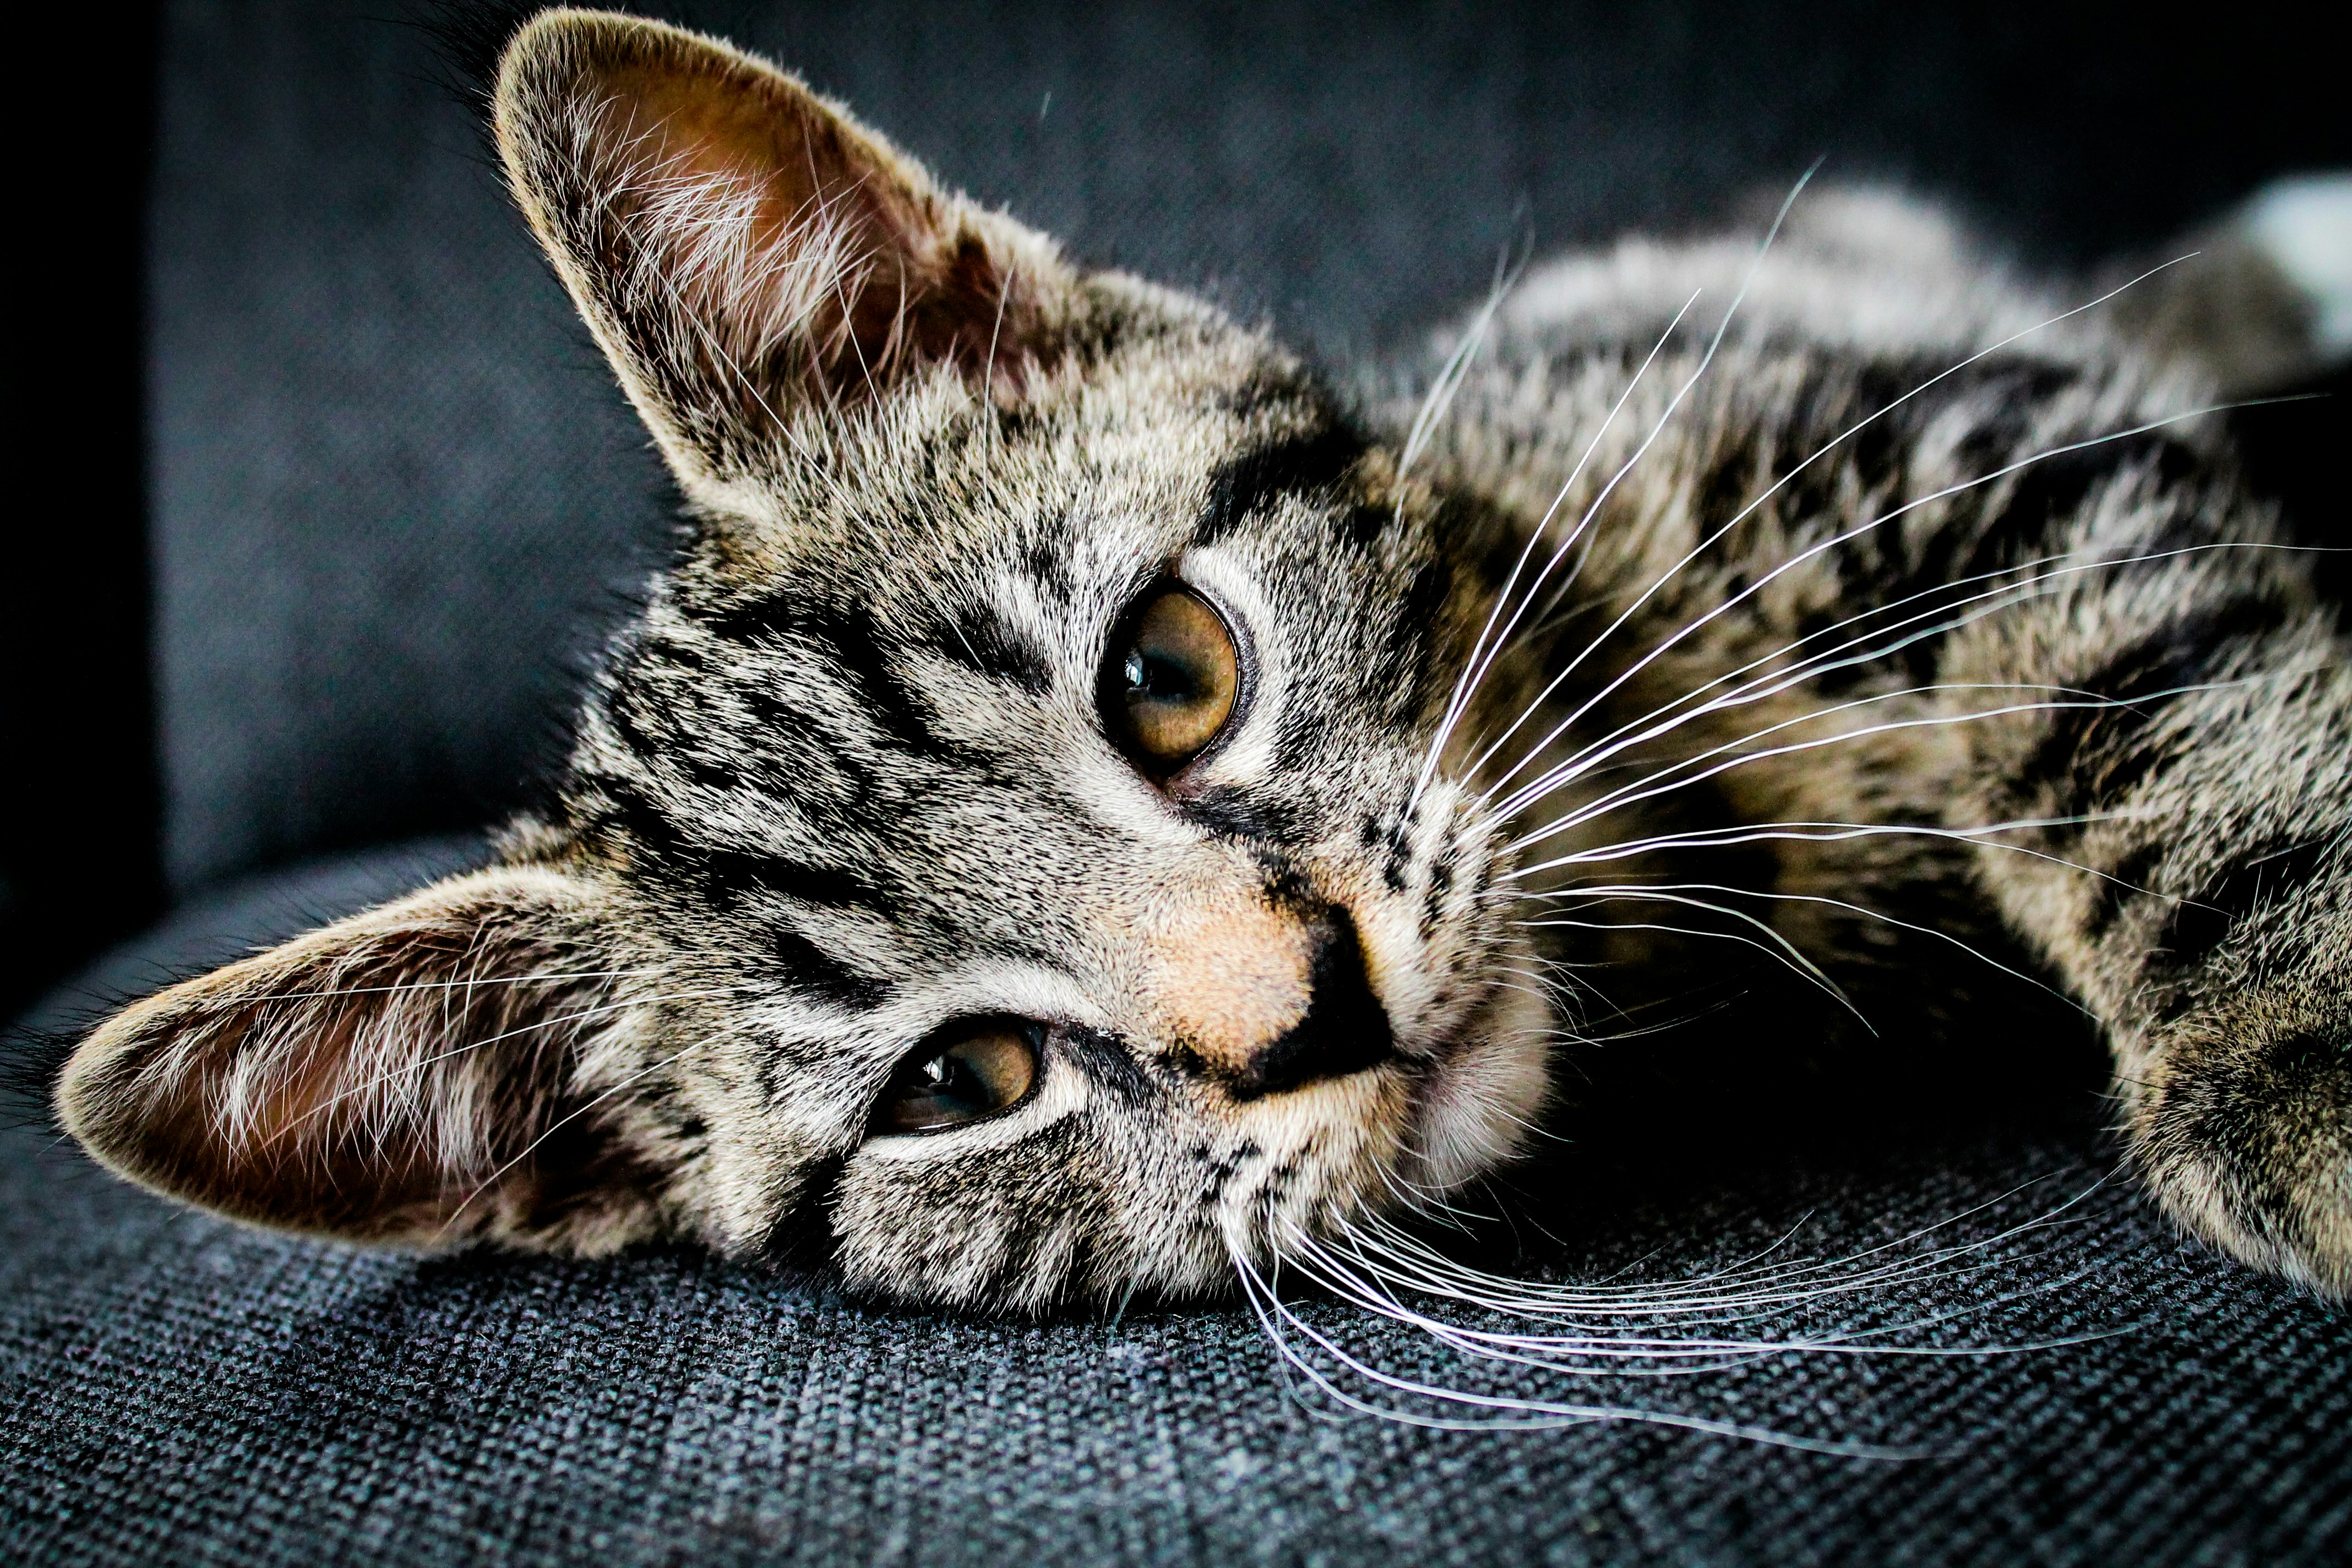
x=274, y=1119
x=799, y=249
x=405, y=1074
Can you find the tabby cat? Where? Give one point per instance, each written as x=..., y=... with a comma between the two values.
x=1095, y=806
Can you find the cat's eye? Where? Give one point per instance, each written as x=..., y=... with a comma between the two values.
x=975, y=1074
x=1172, y=681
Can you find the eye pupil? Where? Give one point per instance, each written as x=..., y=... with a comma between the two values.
x=1179, y=676
x=1158, y=678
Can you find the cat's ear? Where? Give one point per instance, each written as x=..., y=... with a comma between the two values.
x=740, y=247
x=415, y=1074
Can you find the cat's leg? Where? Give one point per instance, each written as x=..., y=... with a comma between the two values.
x=2209, y=925
x=2194, y=883
x=2153, y=689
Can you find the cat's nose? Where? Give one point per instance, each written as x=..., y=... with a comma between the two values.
x=1344, y=1029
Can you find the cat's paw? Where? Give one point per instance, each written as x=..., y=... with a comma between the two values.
x=2258, y=300
x=2303, y=228
x=2242, y=1125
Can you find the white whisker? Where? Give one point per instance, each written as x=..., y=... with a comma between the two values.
x=1660, y=720
x=1864, y=423
x=1819, y=832
x=1647, y=788
x=1779, y=947
x=1642, y=889
x=1675, y=403
x=1767, y=578
x=1608, y=1331
x=1474, y=667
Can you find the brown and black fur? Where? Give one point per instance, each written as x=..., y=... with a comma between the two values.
x=846, y=781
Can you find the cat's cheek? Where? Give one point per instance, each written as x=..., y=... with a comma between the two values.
x=1475, y=1111
x=991, y=1215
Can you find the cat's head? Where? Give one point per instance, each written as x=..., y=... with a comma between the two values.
x=1009, y=845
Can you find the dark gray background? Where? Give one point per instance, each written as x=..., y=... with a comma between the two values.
x=394, y=490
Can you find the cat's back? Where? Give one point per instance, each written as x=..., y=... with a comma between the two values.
x=1664, y=380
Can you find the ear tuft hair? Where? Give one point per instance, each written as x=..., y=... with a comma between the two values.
x=418, y=1073
x=744, y=249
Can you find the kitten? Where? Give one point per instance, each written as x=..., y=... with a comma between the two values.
x=1093, y=808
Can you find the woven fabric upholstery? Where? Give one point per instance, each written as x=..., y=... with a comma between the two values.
x=180, y=1390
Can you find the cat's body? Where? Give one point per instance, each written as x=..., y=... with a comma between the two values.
x=2034, y=593
x=1082, y=810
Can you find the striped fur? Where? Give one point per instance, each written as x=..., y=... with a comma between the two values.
x=847, y=781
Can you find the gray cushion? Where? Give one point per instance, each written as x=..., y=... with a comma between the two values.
x=179, y=1389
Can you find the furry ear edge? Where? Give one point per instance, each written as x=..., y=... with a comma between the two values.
x=421, y=1074
x=742, y=248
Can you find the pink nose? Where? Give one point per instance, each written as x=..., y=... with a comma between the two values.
x=1341, y=1028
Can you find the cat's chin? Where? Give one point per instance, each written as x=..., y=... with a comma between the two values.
x=1478, y=1105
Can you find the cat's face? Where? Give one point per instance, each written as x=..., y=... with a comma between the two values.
x=1010, y=846
x=1049, y=838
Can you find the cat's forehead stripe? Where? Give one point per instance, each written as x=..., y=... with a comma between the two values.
x=731, y=879
x=1304, y=463
x=984, y=644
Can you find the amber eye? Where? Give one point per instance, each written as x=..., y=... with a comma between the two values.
x=1173, y=680
x=974, y=1076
